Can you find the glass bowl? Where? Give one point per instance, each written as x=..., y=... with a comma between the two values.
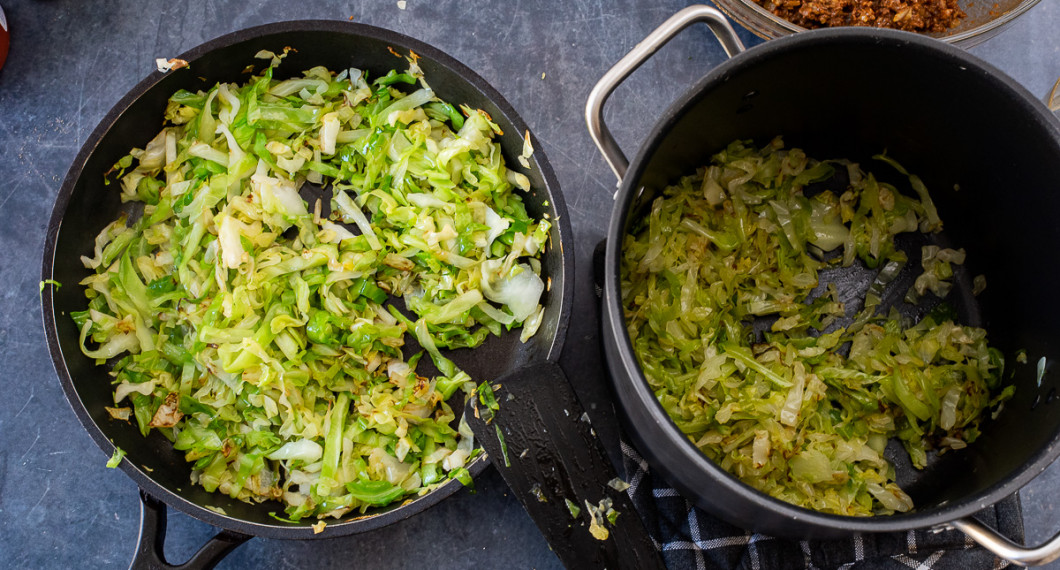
x=984, y=20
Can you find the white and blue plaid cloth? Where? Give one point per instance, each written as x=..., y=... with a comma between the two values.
x=690, y=538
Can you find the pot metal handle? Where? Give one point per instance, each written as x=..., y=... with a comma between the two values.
x=993, y=541
x=594, y=106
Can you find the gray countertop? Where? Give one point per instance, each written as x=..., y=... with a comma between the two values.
x=71, y=61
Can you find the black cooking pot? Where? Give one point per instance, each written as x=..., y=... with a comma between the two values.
x=955, y=121
x=85, y=205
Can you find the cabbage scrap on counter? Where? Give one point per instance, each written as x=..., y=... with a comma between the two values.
x=803, y=409
x=261, y=335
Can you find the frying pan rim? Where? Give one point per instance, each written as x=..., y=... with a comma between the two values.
x=427, y=52
x=628, y=377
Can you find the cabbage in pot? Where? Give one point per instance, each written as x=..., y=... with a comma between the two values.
x=763, y=367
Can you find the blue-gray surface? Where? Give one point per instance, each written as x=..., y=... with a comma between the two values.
x=71, y=61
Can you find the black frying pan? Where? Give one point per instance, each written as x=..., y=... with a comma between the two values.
x=85, y=205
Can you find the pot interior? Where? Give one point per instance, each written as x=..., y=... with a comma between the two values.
x=990, y=156
x=86, y=204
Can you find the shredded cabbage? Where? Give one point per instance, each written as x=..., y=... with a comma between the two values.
x=257, y=331
x=747, y=350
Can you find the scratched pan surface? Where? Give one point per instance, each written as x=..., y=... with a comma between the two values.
x=85, y=205
x=983, y=19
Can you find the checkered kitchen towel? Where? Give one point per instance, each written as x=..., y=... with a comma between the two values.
x=690, y=538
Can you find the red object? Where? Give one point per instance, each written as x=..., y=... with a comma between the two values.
x=5, y=38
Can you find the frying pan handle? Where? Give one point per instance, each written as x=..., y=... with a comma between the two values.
x=150, y=546
x=1017, y=554
x=541, y=441
x=594, y=106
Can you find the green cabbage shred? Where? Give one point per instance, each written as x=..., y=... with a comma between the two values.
x=262, y=333
x=116, y=457
x=803, y=409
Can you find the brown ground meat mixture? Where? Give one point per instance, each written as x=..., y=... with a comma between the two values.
x=909, y=15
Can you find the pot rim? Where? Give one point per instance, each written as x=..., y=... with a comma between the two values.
x=303, y=530
x=614, y=320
